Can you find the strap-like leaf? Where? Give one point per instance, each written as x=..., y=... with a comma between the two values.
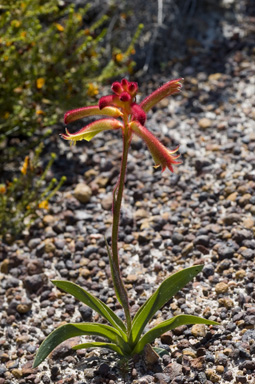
x=97, y=344
x=163, y=294
x=167, y=325
x=94, y=303
x=71, y=330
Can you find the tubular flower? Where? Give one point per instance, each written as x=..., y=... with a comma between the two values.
x=124, y=113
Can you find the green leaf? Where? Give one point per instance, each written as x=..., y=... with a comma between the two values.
x=160, y=351
x=94, y=303
x=96, y=344
x=71, y=330
x=163, y=294
x=167, y=325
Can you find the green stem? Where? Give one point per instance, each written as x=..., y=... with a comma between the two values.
x=116, y=206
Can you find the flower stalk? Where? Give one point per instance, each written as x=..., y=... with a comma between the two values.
x=116, y=207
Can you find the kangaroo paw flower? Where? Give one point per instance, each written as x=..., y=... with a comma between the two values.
x=91, y=130
x=94, y=110
x=173, y=86
x=132, y=117
x=162, y=156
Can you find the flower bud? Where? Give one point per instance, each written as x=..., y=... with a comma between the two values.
x=124, y=84
x=125, y=96
x=117, y=88
x=133, y=88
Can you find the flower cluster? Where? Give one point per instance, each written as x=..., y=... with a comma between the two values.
x=124, y=113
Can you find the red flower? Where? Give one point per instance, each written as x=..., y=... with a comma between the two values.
x=122, y=105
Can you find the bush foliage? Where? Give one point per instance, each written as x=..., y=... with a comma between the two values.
x=51, y=56
x=23, y=196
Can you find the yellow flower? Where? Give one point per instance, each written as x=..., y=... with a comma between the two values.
x=78, y=17
x=6, y=115
x=92, y=90
x=23, y=34
x=40, y=82
x=15, y=23
x=119, y=57
x=2, y=189
x=25, y=166
x=59, y=27
x=43, y=204
x=40, y=112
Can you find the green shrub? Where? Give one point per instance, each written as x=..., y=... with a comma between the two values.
x=23, y=196
x=50, y=57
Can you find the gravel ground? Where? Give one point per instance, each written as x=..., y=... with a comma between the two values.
x=203, y=213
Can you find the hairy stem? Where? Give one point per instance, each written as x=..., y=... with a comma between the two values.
x=116, y=206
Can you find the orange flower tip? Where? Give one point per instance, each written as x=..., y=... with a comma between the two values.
x=138, y=114
x=125, y=96
x=105, y=101
x=117, y=88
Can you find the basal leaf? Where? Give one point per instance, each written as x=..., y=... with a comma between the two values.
x=71, y=330
x=160, y=297
x=96, y=344
x=167, y=325
x=94, y=303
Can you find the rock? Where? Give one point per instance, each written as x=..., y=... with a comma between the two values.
x=204, y=123
x=65, y=349
x=245, y=199
x=149, y=355
x=4, y=267
x=240, y=275
x=221, y=288
x=167, y=338
x=211, y=375
x=17, y=373
x=187, y=249
x=226, y=302
x=177, y=238
x=232, y=197
x=86, y=313
x=141, y=214
x=202, y=240
x=24, y=307
x=34, y=283
x=248, y=222
x=131, y=279
x=220, y=369
x=82, y=193
x=107, y=202
x=35, y=267
x=162, y=378
x=49, y=246
x=198, y=330
x=232, y=218
x=225, y=252
x=173, y=369
x=48, y=220
x=103, y=370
